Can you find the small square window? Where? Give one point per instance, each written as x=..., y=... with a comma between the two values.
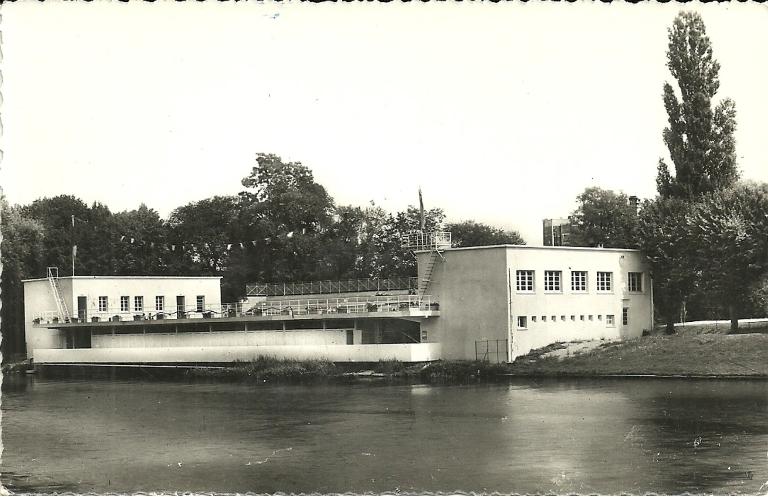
x=533, y=319
x=544, y=319
x=522, y=322
x=599, y=317
x=609, y=320
x=581, y=318
x=591, y=317
x=554, y=318
x=573, y=317
x=562, y=318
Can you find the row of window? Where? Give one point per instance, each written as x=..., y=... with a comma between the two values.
x=610, y=319
x=138, y=303
x=553, y=281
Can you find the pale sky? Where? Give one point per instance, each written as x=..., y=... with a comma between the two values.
x=502, y=113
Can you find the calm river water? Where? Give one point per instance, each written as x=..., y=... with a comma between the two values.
x=527, y=436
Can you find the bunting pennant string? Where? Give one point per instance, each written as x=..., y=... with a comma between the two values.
x=228, y=246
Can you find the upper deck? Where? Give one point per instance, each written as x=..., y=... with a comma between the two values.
x=395, y=306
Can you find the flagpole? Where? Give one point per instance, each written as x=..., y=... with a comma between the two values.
x=73, y=245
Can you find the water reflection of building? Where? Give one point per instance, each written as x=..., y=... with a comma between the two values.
x=492, y=303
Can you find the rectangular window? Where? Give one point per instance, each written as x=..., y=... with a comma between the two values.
x=578, y=281
x=635, y=282
x=609, y=320
x=200, y=303
x=522, y=322
x=562, y=318
x=554, y=318
x=552, y=281
x=103, y=304
x=544, y=318
x=625, y=316
x=138, y=304
x=604, y=283
x=160, y=303
x=525, y=281
x=581, y=318
x=533, y=319
x=590, y=317
x=124, y=304
x=573, y=317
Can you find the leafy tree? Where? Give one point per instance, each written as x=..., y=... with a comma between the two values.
x=55, y=214
x=727, y=232
x=700, y=139
x=472, y=234
x=142, y=250
x=603, y=217
x=206, y=229
x=663, y=237
x=22, y=257
x=284, y=211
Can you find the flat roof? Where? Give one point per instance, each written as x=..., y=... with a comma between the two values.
x=534, y=247
x=127, y=278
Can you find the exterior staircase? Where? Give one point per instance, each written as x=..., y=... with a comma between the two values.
x=61, y=305
x=434, y=258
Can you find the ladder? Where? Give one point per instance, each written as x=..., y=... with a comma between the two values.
x=434, y=257
x=61, y=305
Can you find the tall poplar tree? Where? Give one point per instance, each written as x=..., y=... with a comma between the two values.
x=699, y=138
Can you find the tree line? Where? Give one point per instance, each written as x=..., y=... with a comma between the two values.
x=705, y=235
x=289, y=227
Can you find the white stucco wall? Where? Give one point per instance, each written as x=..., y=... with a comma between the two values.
x=566, y=303
x=406, y=352
x=471, y=288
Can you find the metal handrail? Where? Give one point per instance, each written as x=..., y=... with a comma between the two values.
x=292, y=307
x=329, y=286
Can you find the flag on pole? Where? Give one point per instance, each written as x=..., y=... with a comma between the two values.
x=421, y=211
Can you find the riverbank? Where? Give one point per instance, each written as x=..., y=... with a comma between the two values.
x=685, y=354
x=739, y=355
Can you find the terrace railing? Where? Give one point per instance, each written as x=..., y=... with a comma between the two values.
x=329, y=287
x=292, y=307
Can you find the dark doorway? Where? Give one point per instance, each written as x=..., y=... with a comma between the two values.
x=82, y=308
x=180, y=307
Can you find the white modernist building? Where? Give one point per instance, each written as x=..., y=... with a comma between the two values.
x=491, y=303
x=518, y=298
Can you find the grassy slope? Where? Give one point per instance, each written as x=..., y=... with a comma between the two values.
x=706, y=354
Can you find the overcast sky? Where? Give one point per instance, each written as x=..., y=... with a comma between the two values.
x=502, y=113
